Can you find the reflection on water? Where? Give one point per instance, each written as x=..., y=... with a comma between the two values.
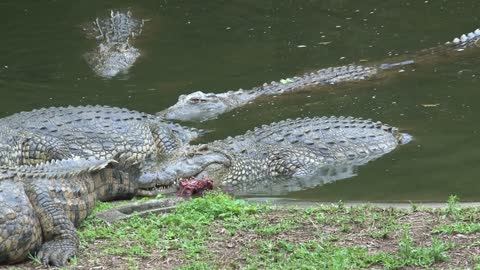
x=323, y=176
x=191, y=45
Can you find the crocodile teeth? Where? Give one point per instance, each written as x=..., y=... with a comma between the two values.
x=178, y=180
x=471, y=35
x=463, y=38
x=159, y=187
x=477, y=32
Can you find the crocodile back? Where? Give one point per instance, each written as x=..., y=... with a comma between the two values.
x=333, y=138
x=89, y=131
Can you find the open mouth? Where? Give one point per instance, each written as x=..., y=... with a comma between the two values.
x=158, y=189
x=195, y=172
x=184, y=187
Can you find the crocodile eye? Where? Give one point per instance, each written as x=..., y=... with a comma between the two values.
x=197, y=100
x=194, y=100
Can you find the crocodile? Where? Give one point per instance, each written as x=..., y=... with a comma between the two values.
x=114, y=54
x=201, y=106
x=103, y=132
x=41, y=205
x=290, y=153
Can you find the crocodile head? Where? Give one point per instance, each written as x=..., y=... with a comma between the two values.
x=223, y=169
x=191, y=162
x=112, y=58
x=197, y=106
x=145, y=183
x=200, y=106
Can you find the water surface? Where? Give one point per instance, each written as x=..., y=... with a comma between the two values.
x=219, y=45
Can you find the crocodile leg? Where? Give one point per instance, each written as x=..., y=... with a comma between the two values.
x=36, y=149
x=169, y=137
x=20, y=230
x=61, y=240
x=164, y=138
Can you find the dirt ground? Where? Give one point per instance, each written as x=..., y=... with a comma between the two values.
x=234, y=251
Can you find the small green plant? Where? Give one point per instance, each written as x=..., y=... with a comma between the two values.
x=34, y=259
x=346, y=228
x=269, y=230
x=457, y=227
x=132, y=263
x=412, y=255
x=452, y=204
x=341, y=205
x=199, y=266
x=382, y=233
x=413, y=207
x=309, y=255
x=73, y=261
x=477, y=262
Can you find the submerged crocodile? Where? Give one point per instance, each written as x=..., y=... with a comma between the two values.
x=102, y=132
x=114, y=54
x=289, y=153
x=40, y=206
x=201, y=106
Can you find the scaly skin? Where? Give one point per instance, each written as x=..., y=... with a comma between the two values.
x=306, y=149
x=101, y=132
x=468, y=40
x=201, y=106
x=114, y=54
x=41, y=205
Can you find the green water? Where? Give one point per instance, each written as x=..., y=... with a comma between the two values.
x=219, y=45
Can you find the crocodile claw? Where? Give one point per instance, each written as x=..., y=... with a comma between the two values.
x=56, y=252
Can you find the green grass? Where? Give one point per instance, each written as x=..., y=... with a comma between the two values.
x=266, y=229
x=457, y=213
x=185, y=229
x=458, y=227
x=200, y=266
x=309, y=255
x=457, y=220
x=325, y=255
x=271, y=236
x=382, y=222
x=411, y=255
x=477, y=262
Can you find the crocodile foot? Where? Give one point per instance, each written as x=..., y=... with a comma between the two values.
x=57, y=252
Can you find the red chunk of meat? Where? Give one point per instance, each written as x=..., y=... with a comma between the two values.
x=194, y=187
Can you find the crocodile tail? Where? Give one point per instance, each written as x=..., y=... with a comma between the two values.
x=323, y=76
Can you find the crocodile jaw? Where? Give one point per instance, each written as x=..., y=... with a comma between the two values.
x=109, y=60
x=192, y=165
